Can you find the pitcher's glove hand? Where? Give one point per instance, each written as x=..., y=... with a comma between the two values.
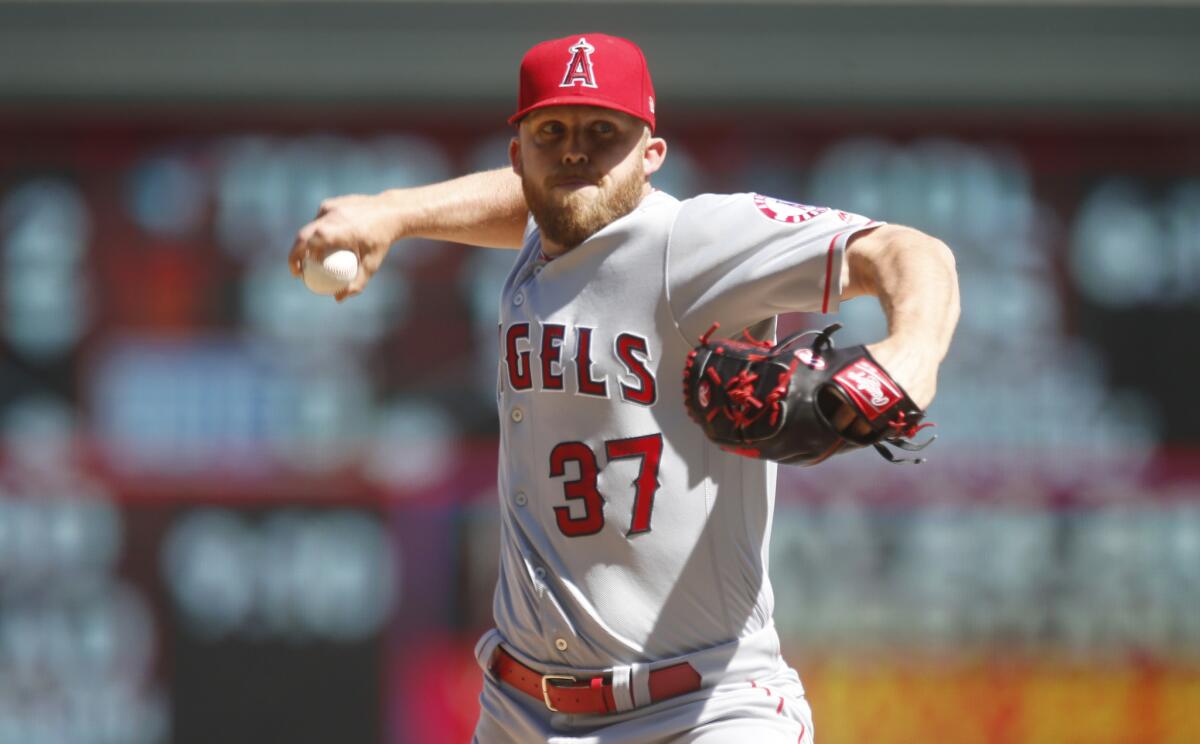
x=797, y=404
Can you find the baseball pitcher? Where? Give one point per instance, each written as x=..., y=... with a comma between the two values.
x=636, y=475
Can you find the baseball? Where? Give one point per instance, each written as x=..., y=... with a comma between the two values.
x=331, y=275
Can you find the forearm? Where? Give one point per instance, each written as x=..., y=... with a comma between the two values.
x=484, y=209
x=916, y=282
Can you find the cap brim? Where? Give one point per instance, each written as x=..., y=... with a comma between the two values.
x=578, y=101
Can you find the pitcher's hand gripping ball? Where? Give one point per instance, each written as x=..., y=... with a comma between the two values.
x=331, y=274
x=781, y=402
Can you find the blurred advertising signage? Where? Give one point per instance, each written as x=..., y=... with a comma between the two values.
x=942, y=558
x=79, y=641
x=287, y=574
x=195, y=406
x=278, y=623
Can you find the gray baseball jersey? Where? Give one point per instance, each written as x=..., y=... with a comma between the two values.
x=626, y=536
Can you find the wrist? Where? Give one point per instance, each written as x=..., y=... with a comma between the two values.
x=394, y=220
x=925, y=344
x=895, y=342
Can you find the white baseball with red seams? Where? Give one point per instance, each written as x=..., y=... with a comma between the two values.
x=628, y=540
x=331, y=274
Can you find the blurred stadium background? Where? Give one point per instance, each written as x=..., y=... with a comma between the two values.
x=232, y=511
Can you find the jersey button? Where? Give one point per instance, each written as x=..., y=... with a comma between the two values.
x=519, y=299
x=560, y=644
x=520, y=498
x=517, y=415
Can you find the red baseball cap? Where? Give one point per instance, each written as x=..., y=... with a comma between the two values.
x=586, y=70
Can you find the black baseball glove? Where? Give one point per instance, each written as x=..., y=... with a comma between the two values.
x=797, y=404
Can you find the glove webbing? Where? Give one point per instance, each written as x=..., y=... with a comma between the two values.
x=740, y=386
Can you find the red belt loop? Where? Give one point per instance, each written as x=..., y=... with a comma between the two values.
x=566, y=693
x=605, y=692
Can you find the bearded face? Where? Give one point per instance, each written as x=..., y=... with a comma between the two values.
x=573, y=202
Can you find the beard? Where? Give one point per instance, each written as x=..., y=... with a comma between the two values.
x=569, y=217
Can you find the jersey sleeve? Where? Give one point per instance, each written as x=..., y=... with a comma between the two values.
x=738, y=259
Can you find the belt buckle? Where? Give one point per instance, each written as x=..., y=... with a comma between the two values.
x=546, y=679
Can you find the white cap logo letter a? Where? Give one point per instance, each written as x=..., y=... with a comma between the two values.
x=579, y=67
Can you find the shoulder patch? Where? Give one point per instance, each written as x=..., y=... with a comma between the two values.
x=786, y=211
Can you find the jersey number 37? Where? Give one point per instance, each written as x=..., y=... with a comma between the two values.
x=647, y=449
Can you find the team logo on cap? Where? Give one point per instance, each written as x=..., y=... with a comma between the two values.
x=786, y=211
x=579, y=67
